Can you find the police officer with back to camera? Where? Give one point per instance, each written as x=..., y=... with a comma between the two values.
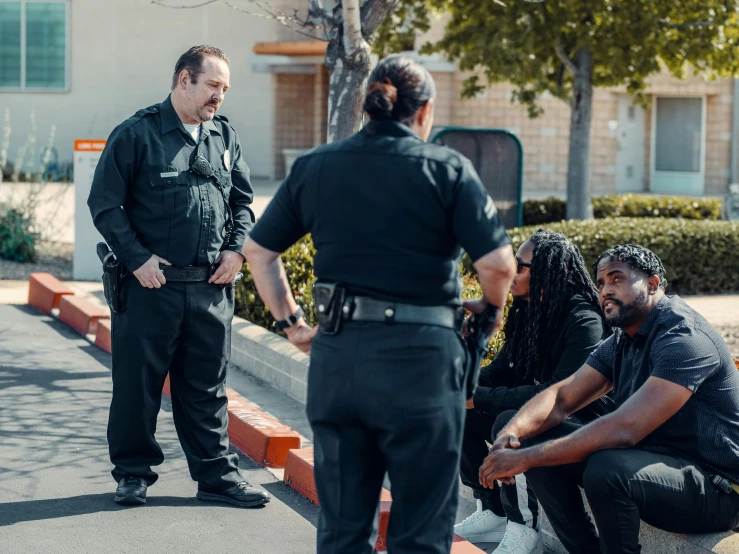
x=171, y=196
x=388, y=214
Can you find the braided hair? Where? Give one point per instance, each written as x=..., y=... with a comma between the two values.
x=636, y=257
x=558, y=273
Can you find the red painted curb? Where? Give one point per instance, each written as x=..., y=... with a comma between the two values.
x=262, y=437
x=80, y=314
x=45, y=292
x=299, y=473
x=102, y=336
x=386, y=500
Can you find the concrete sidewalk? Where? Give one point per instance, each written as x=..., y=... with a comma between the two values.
x=55, y=485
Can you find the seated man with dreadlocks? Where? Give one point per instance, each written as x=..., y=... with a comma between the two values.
x=554, y=323
x=668, y=455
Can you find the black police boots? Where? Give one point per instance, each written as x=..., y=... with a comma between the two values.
x=131, y=491
x=242, y=495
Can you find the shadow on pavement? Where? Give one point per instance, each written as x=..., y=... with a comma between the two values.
x=36, y=510
x=299, y=504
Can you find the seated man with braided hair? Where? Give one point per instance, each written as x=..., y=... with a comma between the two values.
x=669, y=453
x=549, y=335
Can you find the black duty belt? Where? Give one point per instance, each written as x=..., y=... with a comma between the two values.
x=188, y=274
x=362, y=308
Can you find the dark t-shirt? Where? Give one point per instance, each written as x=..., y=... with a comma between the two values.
x=389, y=215
x=677, y=344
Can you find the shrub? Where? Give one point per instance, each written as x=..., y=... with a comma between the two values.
x=17, y=240
x=550, y=210
x=699, y=256
x=298, y=261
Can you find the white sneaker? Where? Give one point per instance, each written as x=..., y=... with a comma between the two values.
x=520, y=539
x=482, y=526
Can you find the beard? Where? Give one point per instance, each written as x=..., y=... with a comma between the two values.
x=627, y=314
x=204, y=114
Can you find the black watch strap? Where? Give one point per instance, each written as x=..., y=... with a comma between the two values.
x=290, y=321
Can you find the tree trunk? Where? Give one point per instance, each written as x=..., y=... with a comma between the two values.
x=348, y=63
x=578, y=170
x=347, y=81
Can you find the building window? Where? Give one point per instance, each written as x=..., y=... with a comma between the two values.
x=33, y=45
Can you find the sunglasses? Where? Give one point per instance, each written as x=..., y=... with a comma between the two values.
x=520, y=265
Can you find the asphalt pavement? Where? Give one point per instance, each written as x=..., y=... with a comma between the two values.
x=56, y=491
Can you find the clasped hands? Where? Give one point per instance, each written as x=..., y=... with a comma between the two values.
x=152, y=277
x=503, y=462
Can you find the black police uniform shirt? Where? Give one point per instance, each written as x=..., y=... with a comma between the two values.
x=145, y=200
x=677, y=344
x=387, y=213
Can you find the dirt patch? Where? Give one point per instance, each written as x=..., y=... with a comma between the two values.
x=731, y=336
x=52, y=257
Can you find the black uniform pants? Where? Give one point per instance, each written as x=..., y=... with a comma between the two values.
x=503, y=500
x=624, y=487
x=387, y=398
x=183, y=329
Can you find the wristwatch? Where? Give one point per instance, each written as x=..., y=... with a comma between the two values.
x=290, y=321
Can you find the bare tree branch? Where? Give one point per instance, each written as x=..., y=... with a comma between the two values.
x=564, y=58
x=374, y=13
x=353, y=39
x=688, y=25
x=280, y=17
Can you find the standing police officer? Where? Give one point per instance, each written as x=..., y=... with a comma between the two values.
x=171, y=197
x=388, y=213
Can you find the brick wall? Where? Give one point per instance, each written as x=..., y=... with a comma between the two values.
x=301, y=114
x=545, y=139
x=294, y=115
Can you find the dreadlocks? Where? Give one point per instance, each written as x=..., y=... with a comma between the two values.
x=558, y=273
x=636, y=257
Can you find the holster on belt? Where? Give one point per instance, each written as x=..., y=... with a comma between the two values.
x=329, y=299
x=113, y=273
x=479, y=327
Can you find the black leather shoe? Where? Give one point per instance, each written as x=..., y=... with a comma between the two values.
x=131, y=491
x=242, y=495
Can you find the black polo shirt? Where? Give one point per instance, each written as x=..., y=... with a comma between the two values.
x=145, y=200
x=389, y=215
x=677, y=344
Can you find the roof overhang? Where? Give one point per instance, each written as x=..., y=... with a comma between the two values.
x=306, y=56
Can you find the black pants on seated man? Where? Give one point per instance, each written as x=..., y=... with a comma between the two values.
x=623, y=487
x=502, y=501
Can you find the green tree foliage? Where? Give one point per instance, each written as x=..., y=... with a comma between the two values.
x=567, y=47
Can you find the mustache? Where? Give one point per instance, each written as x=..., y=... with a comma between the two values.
x=214, y=103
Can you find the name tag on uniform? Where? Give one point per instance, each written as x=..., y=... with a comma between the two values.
x=169, y=174
x=227, y=160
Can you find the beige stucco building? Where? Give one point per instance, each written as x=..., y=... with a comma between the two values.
x=85, y=65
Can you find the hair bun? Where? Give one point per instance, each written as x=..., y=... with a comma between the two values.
x=381, y=99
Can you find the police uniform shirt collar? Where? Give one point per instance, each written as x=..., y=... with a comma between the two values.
x=171, y=121
x=391, y=128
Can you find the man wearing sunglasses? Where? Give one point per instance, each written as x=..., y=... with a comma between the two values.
x=171, y=196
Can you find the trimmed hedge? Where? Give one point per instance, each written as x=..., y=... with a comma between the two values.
x=552, y=209
x=699, y=257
